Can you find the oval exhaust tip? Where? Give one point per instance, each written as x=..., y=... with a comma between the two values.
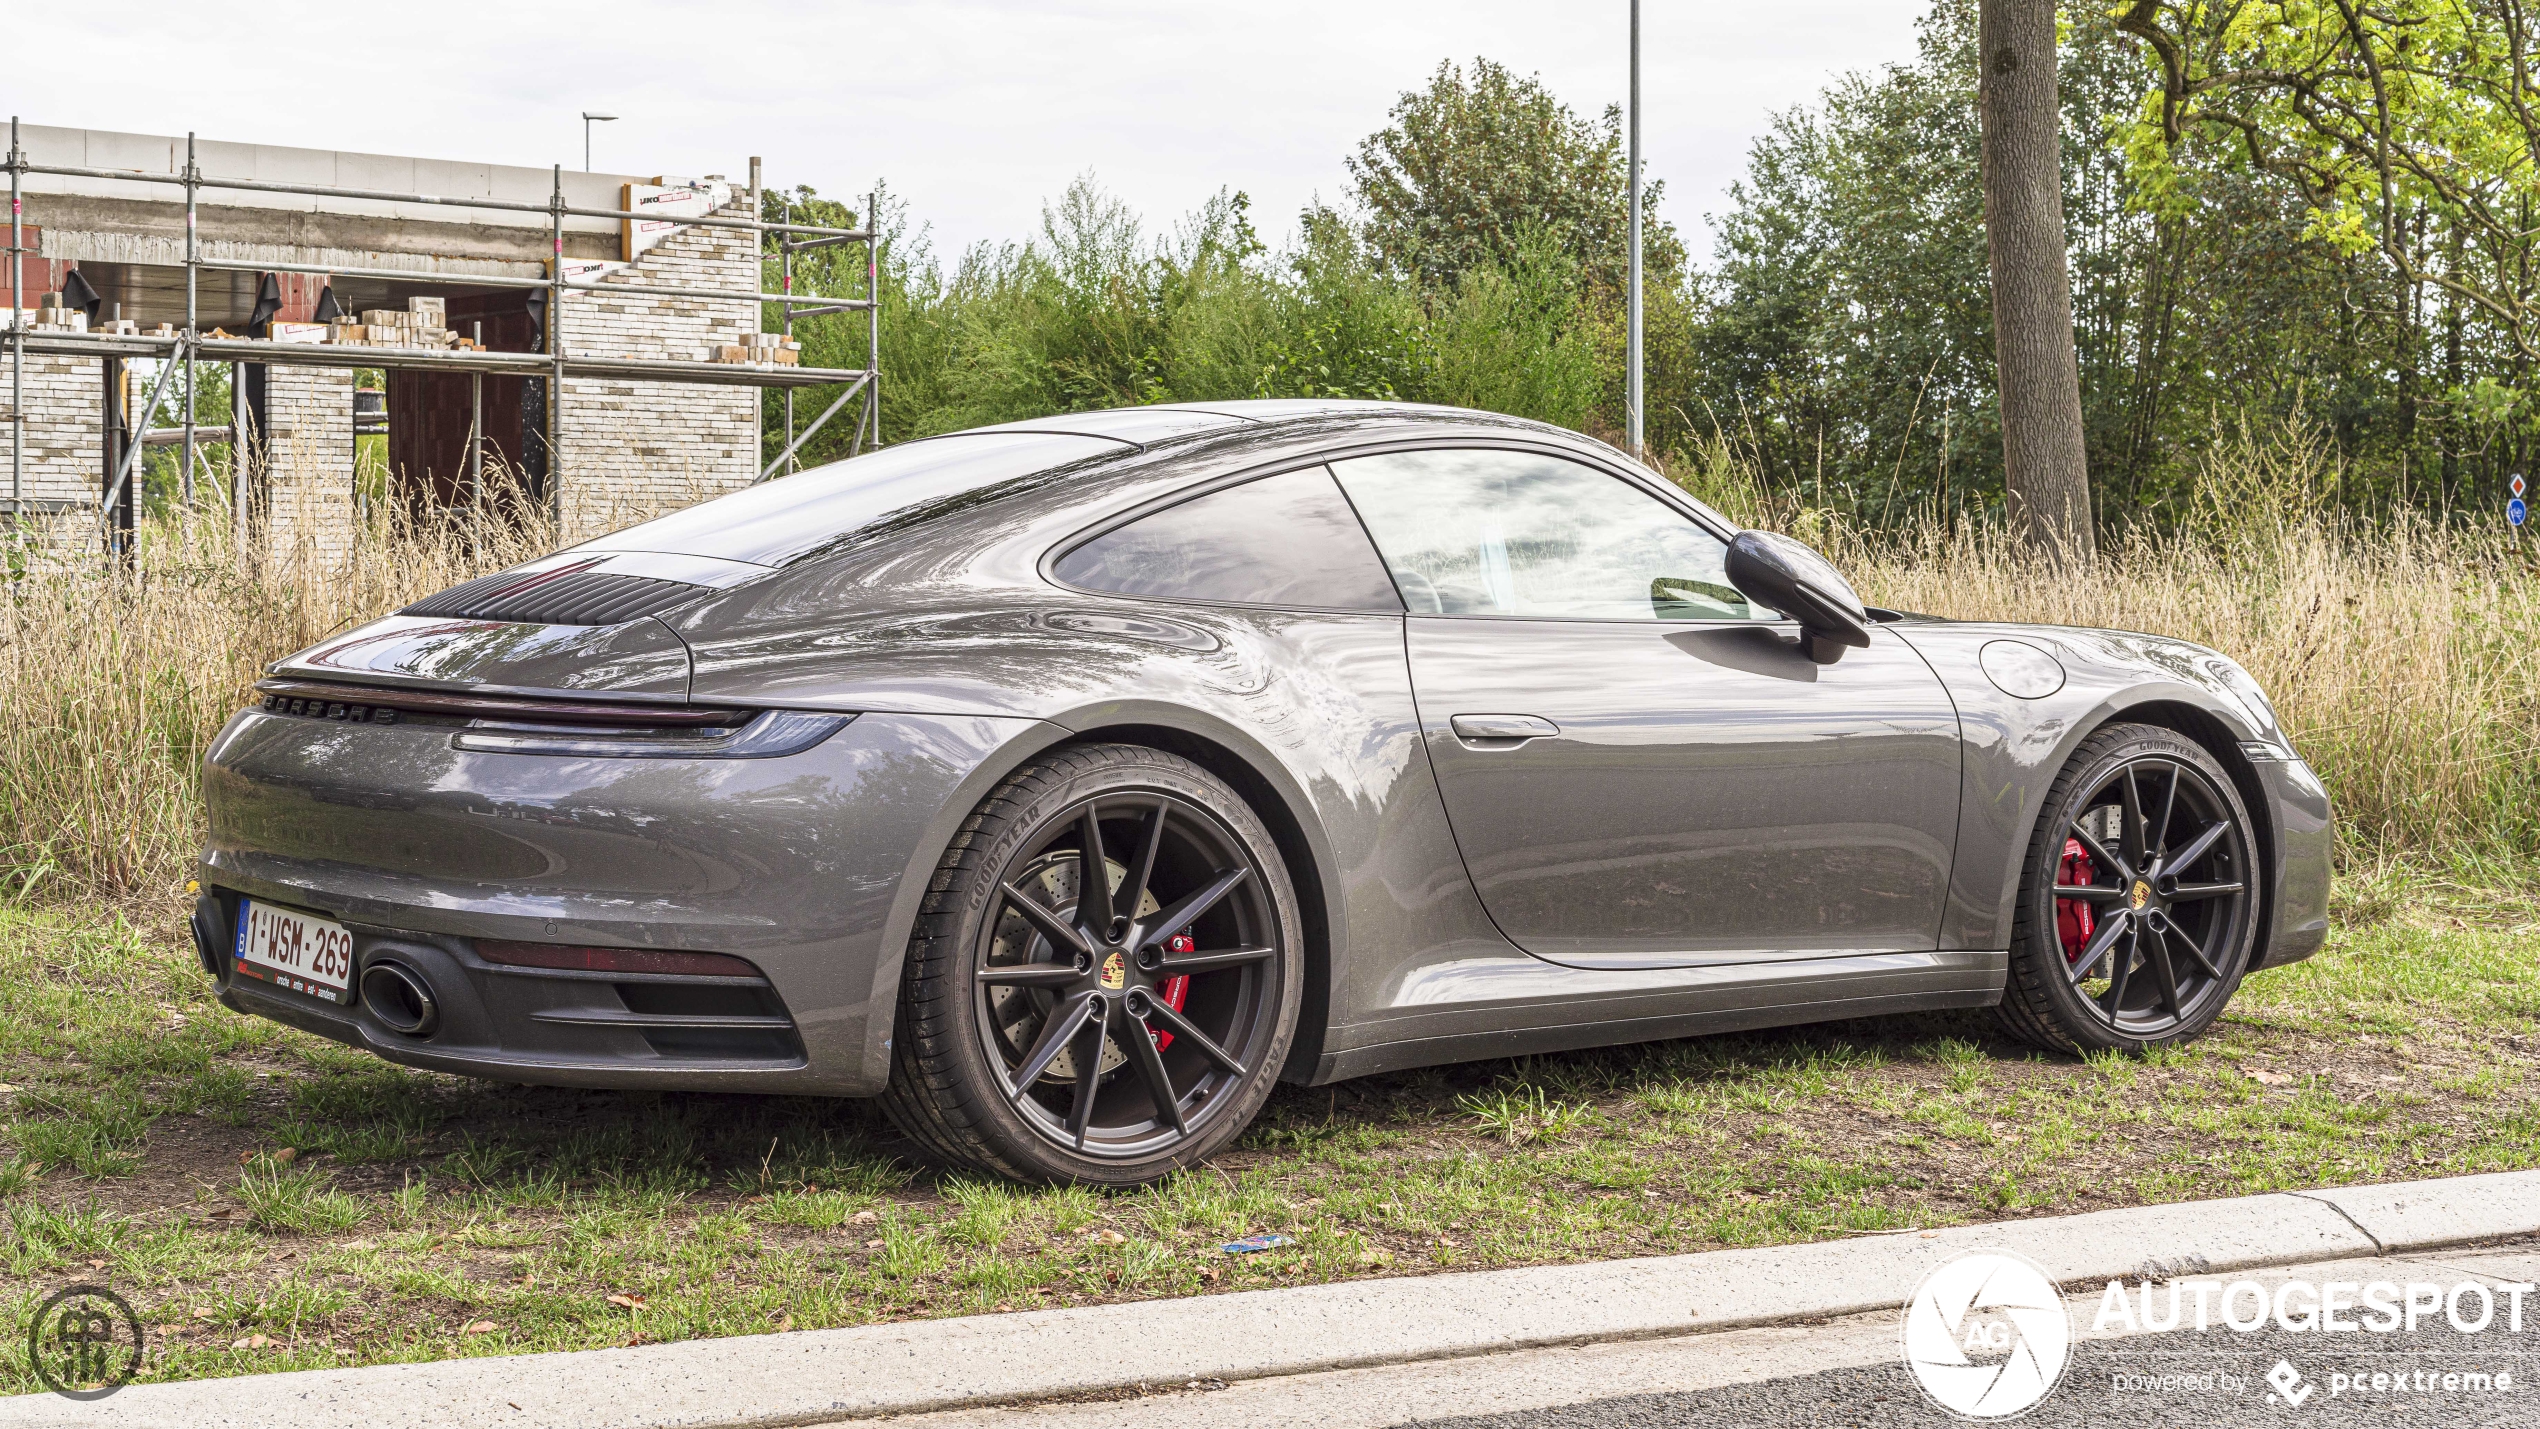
x=399, y=998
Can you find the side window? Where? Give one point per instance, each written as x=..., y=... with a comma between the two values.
x=1282, y=540
x=1514, y=533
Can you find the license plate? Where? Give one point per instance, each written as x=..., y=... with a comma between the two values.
x=298, y=951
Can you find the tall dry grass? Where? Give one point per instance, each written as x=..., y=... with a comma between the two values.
x=116, y=675
x=2401, y=655
x=2401, y=659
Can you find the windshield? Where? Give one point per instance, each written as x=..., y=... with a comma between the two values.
x=776, y=521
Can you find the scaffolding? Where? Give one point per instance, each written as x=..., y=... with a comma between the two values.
x=556, y=364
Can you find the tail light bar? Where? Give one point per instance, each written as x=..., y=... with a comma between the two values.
x=320, y=698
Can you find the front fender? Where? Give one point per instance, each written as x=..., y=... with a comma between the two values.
x=2015, y=747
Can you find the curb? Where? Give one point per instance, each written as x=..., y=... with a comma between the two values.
x=815, y=1376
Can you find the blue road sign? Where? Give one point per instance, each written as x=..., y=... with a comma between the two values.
x=2516, y=512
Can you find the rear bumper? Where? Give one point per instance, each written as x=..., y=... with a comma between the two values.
x=538, y=1025
x=2305, y=838
x=810, y=866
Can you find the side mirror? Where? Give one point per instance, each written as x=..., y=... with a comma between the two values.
x=1781, y=574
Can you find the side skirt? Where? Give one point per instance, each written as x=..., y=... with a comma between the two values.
x=1680, y=1002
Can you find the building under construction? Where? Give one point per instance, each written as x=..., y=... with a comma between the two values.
x=596, y=335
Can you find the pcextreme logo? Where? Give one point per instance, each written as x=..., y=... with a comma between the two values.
x=1986, y=1335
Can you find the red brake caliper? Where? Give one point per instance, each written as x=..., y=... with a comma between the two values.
x=1175, y=989
x=2073, y=918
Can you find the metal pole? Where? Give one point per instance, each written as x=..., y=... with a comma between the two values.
x=185, y=339
x=816, y=424
x=1634, y=433
x=555, y=349
x=476, y=430
x=785, y=245
x=132, y=176
x=873, y=314
x=238, y=460
x=17, y=326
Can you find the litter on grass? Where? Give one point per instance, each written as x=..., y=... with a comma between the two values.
x=1252, y=1243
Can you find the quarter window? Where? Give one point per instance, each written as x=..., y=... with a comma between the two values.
x=1516, y=533
x=1283, y=540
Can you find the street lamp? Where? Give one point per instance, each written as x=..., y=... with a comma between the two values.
x=1633, y=432
x=589, y=119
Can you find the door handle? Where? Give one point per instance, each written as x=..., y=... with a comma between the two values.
x=1501, y=731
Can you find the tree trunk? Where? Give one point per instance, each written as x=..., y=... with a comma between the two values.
x=2046, y=469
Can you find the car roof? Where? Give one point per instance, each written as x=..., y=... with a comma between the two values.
x=1163, y=421
x=1067, y=461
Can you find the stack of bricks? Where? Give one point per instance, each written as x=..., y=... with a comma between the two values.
x=53, y=316
x=634, y=448
x=765, y=349
x=422, y=323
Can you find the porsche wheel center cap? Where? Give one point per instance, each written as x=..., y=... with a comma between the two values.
x=2141, y=895
x=1115, y=970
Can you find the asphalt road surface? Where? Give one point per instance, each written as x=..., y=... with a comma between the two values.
x=2228, y=1387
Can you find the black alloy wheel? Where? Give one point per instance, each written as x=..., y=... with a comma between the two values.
x=2139, y=902
x=1106, y=1029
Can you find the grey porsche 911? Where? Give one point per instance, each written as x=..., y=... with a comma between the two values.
x=1067, y=784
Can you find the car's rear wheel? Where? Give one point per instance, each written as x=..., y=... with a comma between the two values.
x=2138, y=903
x=1057, y=1028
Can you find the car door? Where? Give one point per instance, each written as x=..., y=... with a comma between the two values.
x=1640, y=768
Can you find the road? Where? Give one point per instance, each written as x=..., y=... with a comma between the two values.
x=1886, y=1397
x=1849, y=1374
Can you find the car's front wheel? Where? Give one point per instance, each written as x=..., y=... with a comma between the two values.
x=2138, y=904
x=1104, y=979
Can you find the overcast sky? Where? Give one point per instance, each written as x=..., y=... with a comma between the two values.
x=974, y=110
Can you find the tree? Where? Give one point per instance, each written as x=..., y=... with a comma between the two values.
x=2045, y=463
x=2377, y=115
x=1463, y=168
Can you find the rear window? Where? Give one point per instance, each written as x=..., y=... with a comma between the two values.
x=1283, y=540
x=790, y=517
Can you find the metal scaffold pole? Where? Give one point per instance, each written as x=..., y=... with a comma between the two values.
x=476, y=430
x=786, y=247
x=17, y=324
x=873, y=313
x=555, y=349
x=185, y=335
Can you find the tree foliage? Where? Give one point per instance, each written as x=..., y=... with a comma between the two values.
x=2384, y=118
x=1842, y=333
x=1465, y=167
x=1838, y=340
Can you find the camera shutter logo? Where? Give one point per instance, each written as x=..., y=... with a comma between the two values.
x=84, y=1342
x=1986, y=1335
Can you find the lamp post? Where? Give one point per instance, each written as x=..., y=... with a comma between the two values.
x=1633, y=430
x=589, y=119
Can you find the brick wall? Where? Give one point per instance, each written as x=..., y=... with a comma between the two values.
x=308, y=462
x=65, y=426
x=635, y=448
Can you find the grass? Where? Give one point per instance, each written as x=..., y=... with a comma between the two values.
x=272, y=1201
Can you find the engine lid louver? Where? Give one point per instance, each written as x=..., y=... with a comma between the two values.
x=564, y=595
